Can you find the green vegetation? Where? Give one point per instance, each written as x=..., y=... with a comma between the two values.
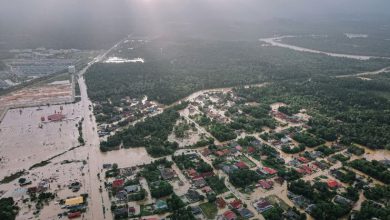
x=325, y=150
x=209, y=209
x=353, y=149
x=175, y=203
x=12, y=177
x=307, y=139
x=288, y=150
x=217, y=184
x=242, y=178
x=152, y=133
x=378, y=193
x=8, y=209
x=370, y=210
x=150, y=171
x=372, y=168
x=274, y=213
x=289, y=110
x=138, y=196
x=221, y=132
x=182, y=214
x=321, y=196
x=191, y=65
x=160, y=189
x=339, y=107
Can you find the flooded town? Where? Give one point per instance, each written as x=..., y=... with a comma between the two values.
x=194, y=110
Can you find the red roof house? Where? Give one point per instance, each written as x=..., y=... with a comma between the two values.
x=118, y=183
x=266, y=184
x=303, y=160
x=56, y=117
x=241, y=165
x=251, y=150
x=219, y=153
x=236, y=204
x=74, y=214
x=229, y=215
x=333, y=184
x=221, y=202
x=239, y=148
x=270, y=170
x=192, y=172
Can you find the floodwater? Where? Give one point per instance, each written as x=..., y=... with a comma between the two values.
x=383, y=70
x=276, y=41
x=123, y=60
x=23, y=143
x=351, y=36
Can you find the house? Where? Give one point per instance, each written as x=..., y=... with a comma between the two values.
x=333, y=184
x=309, y=208
x=206, y=152
x=226, y=152
x=56, y=117
x=251, y=150
x=303, y=160
x=207, y=189
x=196, y=210
x=219, y=153
x=315, y=154
x=238, y=147
x=245, y=213
x=131, y=211
x=342, y=200
x=192, y=172
x=193, y=195
x=74, y=201
x=241, y=165
x=266, y=184
x=291, y=215
x=262, y=205
x=221, y=203
x=118, y=183
x=32, y=190
x=299, y=201
x=228, y=169
x=269, y=171
x=121, y=213
x=161, y=205
x=207, y=174
x=74, y=215
x=199, y=182
x=306, y=169
x=131, y=189
x=229, y=215
x=167, y=173
x=121, y=195
x=236, y=204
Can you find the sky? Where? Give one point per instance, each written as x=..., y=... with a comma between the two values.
x=66, y=23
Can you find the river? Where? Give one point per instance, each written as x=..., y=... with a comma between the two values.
x=277, y=41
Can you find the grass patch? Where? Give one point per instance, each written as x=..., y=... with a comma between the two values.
x=247, y=161
x=146, y=210
x=276, y=201
x=209, y=210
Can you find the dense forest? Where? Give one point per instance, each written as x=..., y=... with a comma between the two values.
x=340, y=107
x=173, y=70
